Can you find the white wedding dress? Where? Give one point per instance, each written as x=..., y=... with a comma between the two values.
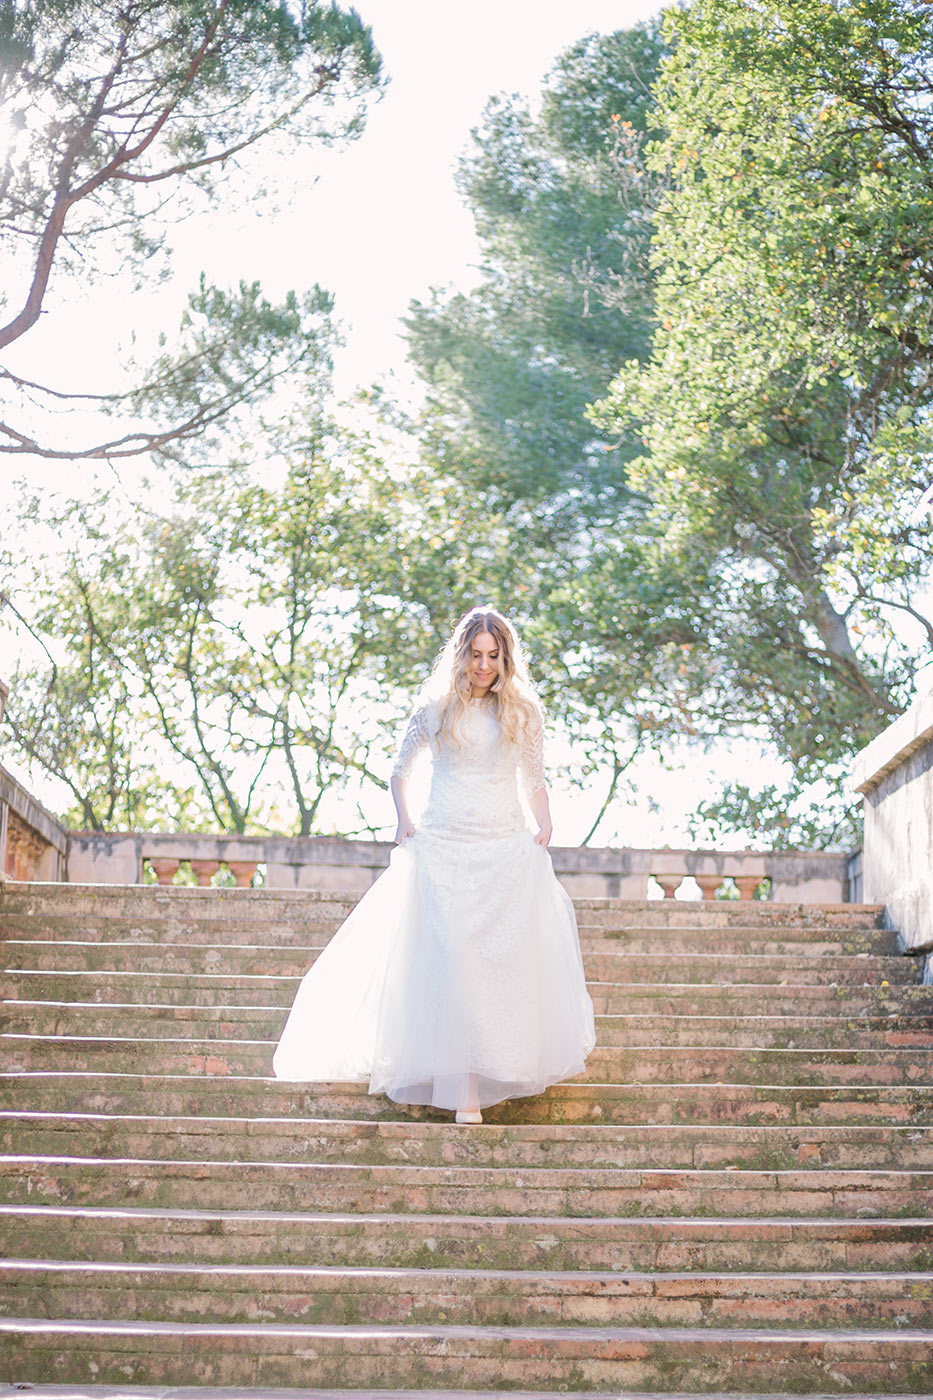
x=457, y=979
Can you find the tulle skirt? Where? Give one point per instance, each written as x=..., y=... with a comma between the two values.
x=456, y=980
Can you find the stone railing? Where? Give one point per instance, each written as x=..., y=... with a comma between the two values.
x=33, y=843
x=894, y=774
x=320, y=862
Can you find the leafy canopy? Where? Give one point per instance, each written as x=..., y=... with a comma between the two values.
x=785, y=409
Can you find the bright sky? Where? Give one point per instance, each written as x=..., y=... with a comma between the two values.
x=379, y=222
x=382, y=222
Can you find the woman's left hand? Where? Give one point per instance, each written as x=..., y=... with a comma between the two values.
x=544, y=835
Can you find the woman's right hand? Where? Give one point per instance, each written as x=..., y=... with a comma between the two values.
x=405, y=829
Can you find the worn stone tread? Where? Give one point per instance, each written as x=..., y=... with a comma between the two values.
x=336, y=1295
x=575, y=1103
x=34, y=896
x=486, y=1190
x=216, y=990
x=619, y=1065
x=615, y=965
x=533, y=1146
x=146, y=1392
x=457, y=1356
x=767, y=1243
x=625, y=1030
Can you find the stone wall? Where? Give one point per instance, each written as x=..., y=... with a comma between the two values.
x=894, y=774
x=320, y=862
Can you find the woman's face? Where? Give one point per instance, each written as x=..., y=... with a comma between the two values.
x=484, y=663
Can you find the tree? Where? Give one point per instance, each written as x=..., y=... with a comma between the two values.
x=511, y=366
x=782, y=475
x=240, y=660
x=118, y=120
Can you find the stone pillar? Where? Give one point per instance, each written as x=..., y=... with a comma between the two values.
x=203, y=870
x=242, y=871
x=164, y=868
x=670, y=884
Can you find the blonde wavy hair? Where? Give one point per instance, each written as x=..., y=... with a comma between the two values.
x=512, y=696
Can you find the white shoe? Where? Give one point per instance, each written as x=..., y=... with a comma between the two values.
x=469, y=1115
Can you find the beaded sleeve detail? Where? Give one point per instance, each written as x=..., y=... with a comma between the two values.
x=531, y=757
x=416, y=738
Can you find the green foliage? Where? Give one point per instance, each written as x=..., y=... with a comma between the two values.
x=233, y=353
x=241, y=659
x=793, y=256
x=511, y=366
x=728, y=542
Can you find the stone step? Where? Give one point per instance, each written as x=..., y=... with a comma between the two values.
x=661, y=999
x=137, y=901
x=265, y=1023
x=369, y=1143
x=224, y=1096
x=500, y=1298
x=392, y=1188
x=504, y=1358
x=139, y=1234
x=606, y=1065
x=808, y=942
x=615, y=966
x=104, y=902
x=146, y=1392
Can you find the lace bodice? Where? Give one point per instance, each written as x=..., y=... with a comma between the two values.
x=475, y=786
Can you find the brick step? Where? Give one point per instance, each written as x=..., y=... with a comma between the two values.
x=222, y=989
x=808, y=942
x=767, y=1032
x=138, y=1234
x=224, y=1096
x=265, y=1023
x=616, y=966
x=137, y=901
x=147, y=1392
x=703, y=1360
x=607, y=1065
x=369, y=1143
x=481, y=1190
x=105, y=902
x=499, y=1298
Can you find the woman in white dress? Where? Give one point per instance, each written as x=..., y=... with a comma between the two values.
x=457, y=980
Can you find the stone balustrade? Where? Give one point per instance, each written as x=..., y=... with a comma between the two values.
x=894, y=774
x=33, y=843
x=322, y=862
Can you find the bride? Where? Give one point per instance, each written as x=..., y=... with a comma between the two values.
x=457, y=980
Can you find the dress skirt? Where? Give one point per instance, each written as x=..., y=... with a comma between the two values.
x=457, y=979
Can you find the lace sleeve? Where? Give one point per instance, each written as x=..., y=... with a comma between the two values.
x=531, y=757
x=416, y=738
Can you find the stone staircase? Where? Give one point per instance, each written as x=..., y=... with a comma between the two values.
x=736, y=1197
